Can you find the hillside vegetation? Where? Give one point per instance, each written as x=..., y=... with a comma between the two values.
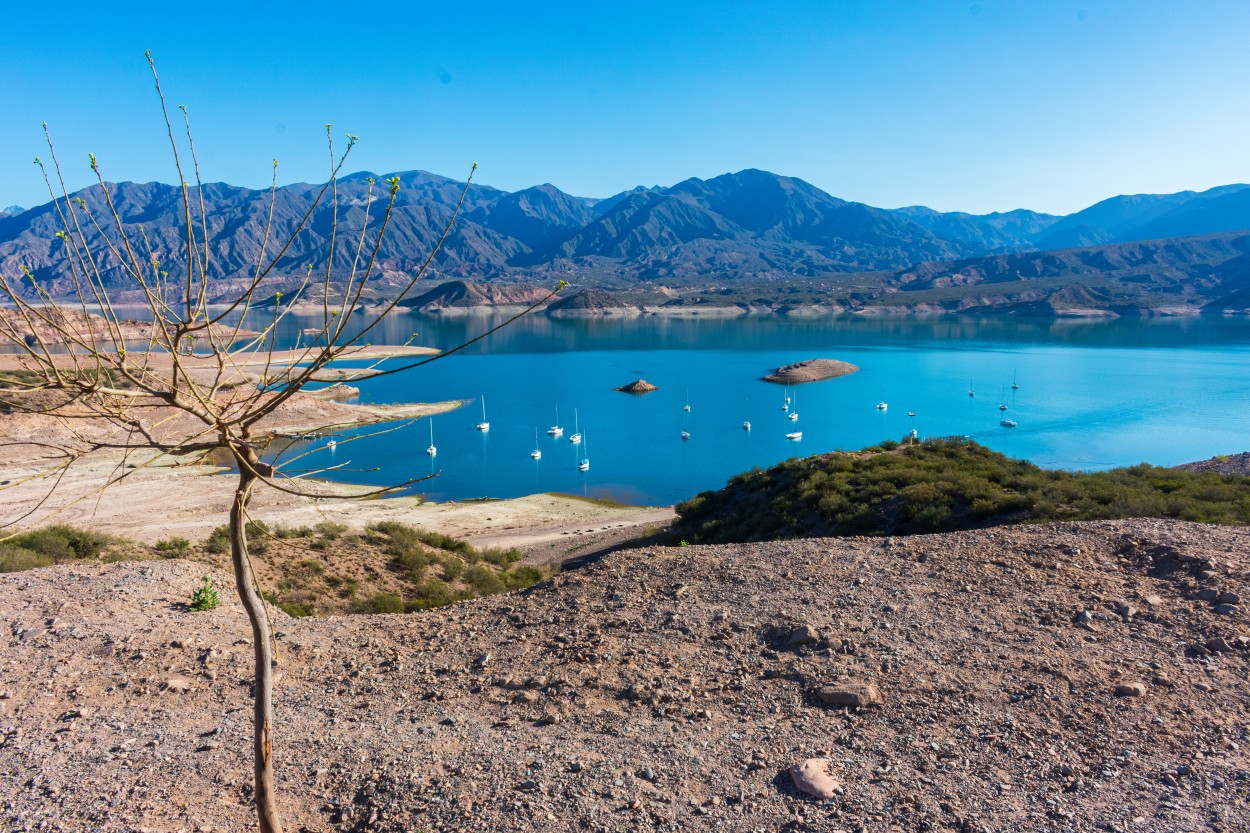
x=944, y=485
x=326, y=570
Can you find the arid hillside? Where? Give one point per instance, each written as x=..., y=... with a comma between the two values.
x=1061, y=677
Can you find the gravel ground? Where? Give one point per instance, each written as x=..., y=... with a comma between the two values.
x=1064, y=677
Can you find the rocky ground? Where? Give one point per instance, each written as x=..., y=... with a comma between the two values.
x=1068, y=677
x=1224, y=464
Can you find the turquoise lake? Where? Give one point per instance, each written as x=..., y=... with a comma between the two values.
x=1092, y=395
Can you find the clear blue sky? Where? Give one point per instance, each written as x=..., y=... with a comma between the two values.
x=974, y=106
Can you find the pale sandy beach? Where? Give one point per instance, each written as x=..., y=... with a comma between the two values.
x=167, y=497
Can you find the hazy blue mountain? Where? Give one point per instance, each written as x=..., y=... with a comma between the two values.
x=1225, y=212
x=991, y=232
x=538, y=217
x=1134, y=217
x=11, y=210
x=605, y=205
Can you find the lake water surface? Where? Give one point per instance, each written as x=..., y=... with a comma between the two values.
x=1091, y=395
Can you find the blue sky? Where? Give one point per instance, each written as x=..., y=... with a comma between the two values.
x=973, y=106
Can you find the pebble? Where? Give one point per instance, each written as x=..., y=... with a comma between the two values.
x=1220, y=645
x=1229, y=599
x=1130, y=690
x=813, y=778
x=1207, y=594
x=1227, y=609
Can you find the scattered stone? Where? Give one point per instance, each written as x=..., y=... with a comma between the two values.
x=1220, y=645
x=803, y=635
x=1207, y=594
x=1153, y=601
x=646, y=774
x=813, y=778
x=1130, y=690
x=1227, y=609
x=850, y=694
x=550, y=718
x=1229, y=599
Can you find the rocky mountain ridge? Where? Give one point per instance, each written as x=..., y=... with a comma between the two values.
x=747, y=227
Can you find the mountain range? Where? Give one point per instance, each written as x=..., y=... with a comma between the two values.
x=746, y=228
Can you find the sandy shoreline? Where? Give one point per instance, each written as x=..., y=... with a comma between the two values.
x=163, y=498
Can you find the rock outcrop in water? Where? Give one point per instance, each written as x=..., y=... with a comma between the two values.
x=637, y=386
x=811, y=370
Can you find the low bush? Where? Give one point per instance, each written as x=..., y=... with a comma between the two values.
x=379, y=603
x=52, y=545
x=172, y=547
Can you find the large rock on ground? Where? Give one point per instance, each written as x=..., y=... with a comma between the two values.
x=813, y=777
x=850, y=694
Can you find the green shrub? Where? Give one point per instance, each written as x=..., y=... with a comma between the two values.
x=172, y=547
x=452, y=568
x=62, y=543
x=433, y=594
x=205, y=596
x=218, y=540
x=499, y=556
x=15, y=559
x=329, y=530
x=379, y=603
x=483, y=580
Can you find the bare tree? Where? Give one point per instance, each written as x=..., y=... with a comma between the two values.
x=205, y=381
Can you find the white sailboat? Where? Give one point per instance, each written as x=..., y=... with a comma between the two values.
x=584, y=464
x=536, y=453
x=332, y=444
x=686, y=408
x=1008, y=423
x=794, y=435
x=577, y=434
x=746, y=425
x=785, y=404
x=1014, y=386
x=1002, y=400
x=883, y=406
x=483, y=425
x=431, y=450
x=556, y=430
x=794, y=415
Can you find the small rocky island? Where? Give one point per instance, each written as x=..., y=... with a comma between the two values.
x=810, y=370
x=638, y=386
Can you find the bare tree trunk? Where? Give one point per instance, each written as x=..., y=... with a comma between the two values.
x=266, y=794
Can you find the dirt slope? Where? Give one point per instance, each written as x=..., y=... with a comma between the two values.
x=663, y=689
